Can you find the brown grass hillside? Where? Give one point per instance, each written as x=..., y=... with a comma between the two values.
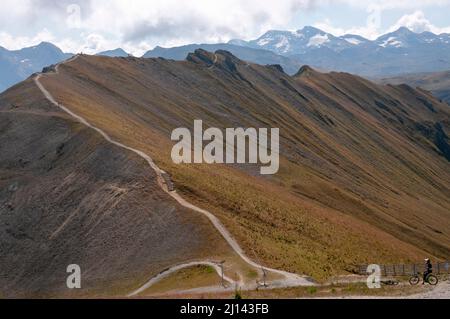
x=364, y=174
x=365, y=168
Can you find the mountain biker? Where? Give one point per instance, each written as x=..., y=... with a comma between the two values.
x=428, y=270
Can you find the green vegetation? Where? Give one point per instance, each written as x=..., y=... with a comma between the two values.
x=312, y=290
x=210, y=270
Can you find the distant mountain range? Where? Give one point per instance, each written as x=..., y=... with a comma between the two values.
x=399, y=52
x=17, y=65
x=299, y=42
x=393, y=54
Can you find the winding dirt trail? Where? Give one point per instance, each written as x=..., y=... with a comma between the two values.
x=290, y=279
x=174, y=269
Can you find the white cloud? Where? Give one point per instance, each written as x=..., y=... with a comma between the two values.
x=418, y=23
x=15, y=43
x=138, y=25
x=389, y=4
x=368, y=31
x=173, y=22
x=141, y=24
x=415, y=21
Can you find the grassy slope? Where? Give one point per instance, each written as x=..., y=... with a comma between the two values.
x=67, y=196
x=352, y=188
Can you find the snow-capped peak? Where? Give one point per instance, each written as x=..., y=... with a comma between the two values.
x=310, y=38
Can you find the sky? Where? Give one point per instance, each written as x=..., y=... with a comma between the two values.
x=91, y=26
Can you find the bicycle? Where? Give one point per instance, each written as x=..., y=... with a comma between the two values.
x=430, y=279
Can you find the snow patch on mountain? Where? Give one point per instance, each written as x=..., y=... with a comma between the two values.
x=298, y=34
x=353, y=41
x=318, y=40
x=264, y=41
x=283, y=45
x=392, y=41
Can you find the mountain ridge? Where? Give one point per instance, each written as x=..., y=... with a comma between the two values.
x=363, y=169
x=115, y=53
x=390, y=55
x=436, y=82
x=249, y=54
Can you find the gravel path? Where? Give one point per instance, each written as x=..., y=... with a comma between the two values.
x=441, y=291
x=290, y=279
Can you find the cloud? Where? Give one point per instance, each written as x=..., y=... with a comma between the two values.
x=192, y=21
x=367, y=31
x=33, y=13
x=138, y=25
x=418, y=23
x=389, y=4
x=16, y=43
x=375, y=9
x=415, y=21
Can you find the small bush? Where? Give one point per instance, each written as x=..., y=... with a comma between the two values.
x=312, y=290
x=210, y=270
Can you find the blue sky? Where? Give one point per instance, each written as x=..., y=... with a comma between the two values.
x=139, y=25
